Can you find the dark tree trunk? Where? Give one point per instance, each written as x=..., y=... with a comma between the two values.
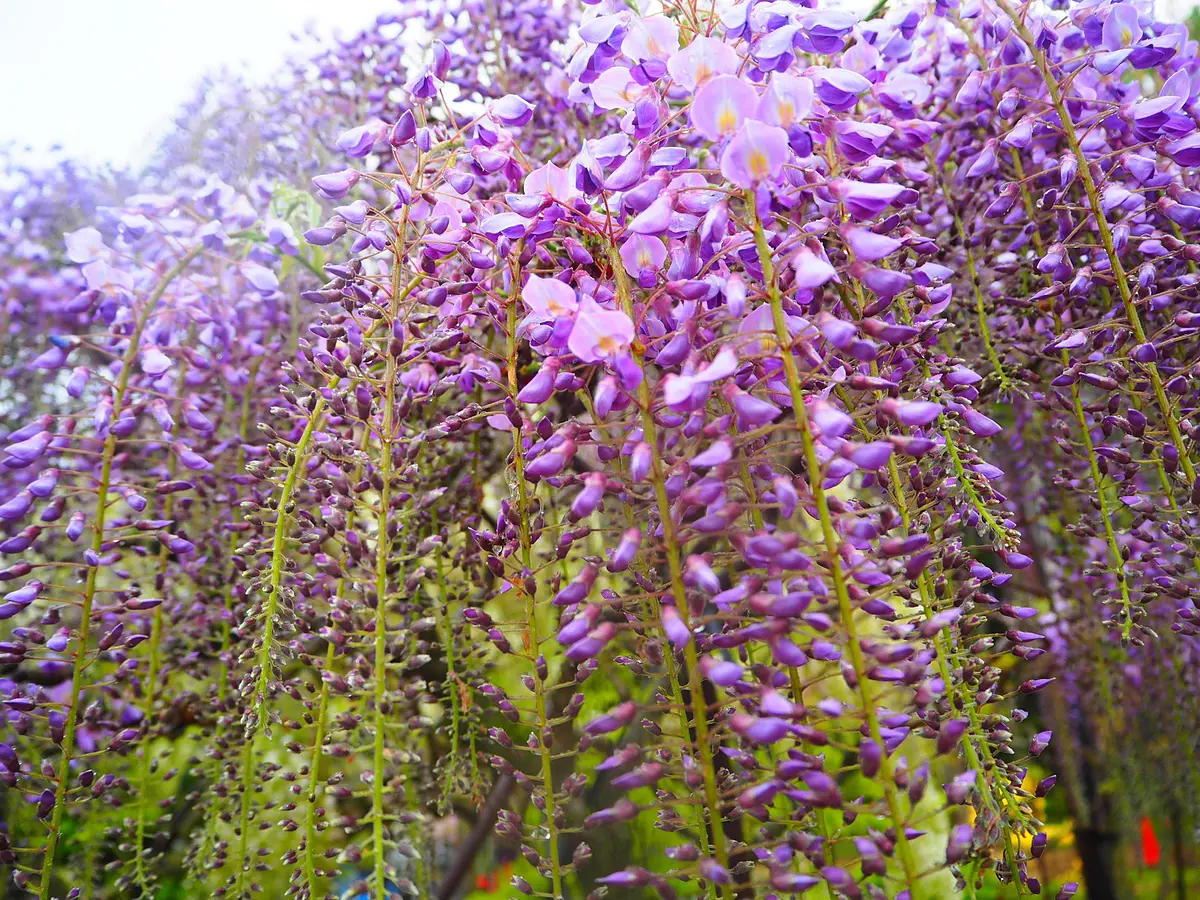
x=1098, y=838
x=465, y=858
x=1098, y=853
x=1177, y=848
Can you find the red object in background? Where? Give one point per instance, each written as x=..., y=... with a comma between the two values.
x=492, y=880
x=1151, y=852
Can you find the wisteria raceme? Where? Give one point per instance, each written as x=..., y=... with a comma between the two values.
x=728, y=452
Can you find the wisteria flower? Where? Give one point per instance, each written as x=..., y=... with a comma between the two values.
x=787, y=100
x=839, y=88
x=548, y=298
x=643, y=256
x=651, y=37
x=669, y=470
x=512, y=110
x=721, y=105
x=84, y=245
x=553, y=181
x=756, y=153
x=599, y=334
x=701, y=60
x=1121, y=32
x=616, y=88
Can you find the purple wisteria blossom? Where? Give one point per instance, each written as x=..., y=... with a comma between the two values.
x=729, y=452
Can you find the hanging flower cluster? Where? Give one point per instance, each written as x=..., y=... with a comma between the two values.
x=688, y=443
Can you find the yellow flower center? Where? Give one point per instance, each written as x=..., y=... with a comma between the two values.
x=758, y=164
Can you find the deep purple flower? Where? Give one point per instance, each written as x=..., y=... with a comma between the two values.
x=839, y=88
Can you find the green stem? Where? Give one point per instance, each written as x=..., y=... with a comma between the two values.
x=278, y=546
x=209, y=838
x=152, y=675
x=980, y=306
x=314, y=771
x=678, y=590
x=230, y=578
x=1102, y=498
x=314, y=782
x=832, y=546
x=531, y=624
x=1058, y=100
x=451, y=673
x=89, y=591
x=383, y=550
x=1106, y=514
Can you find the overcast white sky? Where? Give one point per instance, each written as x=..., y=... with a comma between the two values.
x=104, y=77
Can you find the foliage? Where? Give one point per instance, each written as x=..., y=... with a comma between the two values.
x=716, y=446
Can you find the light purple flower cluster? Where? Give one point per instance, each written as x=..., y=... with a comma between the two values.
x=700, y=440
